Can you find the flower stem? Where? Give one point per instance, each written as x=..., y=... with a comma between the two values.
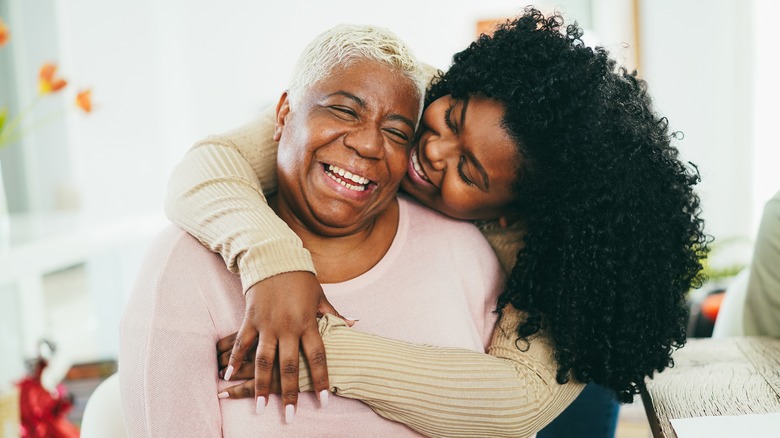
x=5, y=135
x=23, y=113
x=8, y=138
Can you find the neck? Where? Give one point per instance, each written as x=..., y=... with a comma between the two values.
x=343, y=256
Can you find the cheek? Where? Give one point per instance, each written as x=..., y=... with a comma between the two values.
x=397, y=160
x=294, y=158
x=289, y=160
x=456, y=200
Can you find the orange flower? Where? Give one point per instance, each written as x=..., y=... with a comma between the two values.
x=5, y=34
x=47, y=83
x=84, y=100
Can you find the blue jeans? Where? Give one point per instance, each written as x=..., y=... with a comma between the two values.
x=593, y=414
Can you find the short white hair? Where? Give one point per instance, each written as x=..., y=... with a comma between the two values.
x=346, y=43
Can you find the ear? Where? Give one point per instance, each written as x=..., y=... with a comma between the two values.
x=509, y=220
x=504, y=221
x=282, y=109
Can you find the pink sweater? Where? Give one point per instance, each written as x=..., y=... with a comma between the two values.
x=437, y=284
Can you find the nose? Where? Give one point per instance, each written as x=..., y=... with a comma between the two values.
x=367, y=141
x=438, y=151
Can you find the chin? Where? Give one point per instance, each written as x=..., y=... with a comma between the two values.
x=412, y=189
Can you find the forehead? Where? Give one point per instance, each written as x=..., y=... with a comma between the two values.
x=372, y=81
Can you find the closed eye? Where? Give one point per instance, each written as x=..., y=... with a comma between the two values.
x=462, y=174
x=342, y=111
x=448, y=118
x=400, y=136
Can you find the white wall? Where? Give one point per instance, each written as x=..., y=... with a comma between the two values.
x=702, y=60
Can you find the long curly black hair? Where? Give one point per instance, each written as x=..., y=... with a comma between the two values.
x=613, y=239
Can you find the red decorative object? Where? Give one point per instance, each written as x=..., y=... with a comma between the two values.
x=43, y=413
x=711, y=305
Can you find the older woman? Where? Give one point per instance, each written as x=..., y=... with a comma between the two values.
x=605, y=241
x=377, y=255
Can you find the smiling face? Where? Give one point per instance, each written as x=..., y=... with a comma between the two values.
x=344, y=148
x=464, y=161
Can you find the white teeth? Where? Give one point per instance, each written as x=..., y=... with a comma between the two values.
x=417, y=167
x=341, y=176
x=348, y=175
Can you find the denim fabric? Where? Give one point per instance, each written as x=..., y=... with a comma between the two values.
x=593, y=414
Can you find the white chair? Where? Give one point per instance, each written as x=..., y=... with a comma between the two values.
x=730, y=320
x=103, y=414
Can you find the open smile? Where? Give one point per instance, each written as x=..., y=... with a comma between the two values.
x=351, y=181
x=416, y=172
x=417, y=167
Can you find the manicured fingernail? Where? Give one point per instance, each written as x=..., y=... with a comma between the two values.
x=229, y=372
x=223, y=394
x=351, y=318
x=260, y=408
x=324, y=398
x=289, y=414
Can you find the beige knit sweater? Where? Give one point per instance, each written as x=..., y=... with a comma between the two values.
x=216, y=194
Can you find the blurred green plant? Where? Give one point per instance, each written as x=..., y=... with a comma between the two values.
x=726, y=258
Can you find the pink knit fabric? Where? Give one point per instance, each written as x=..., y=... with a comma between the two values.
x=437, y=284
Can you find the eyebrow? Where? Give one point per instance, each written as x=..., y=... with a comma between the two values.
x=362, y=104
x=471, y=156
x=350, y=96
x=402, y=119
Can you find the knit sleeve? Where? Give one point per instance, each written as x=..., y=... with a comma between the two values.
x=449, y=392
x=216, y=194
x=506, y=241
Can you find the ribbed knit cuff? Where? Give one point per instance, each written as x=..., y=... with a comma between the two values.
x=273, y=258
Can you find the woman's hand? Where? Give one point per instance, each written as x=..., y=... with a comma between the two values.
x=246, y=390
x=281, y=317
x=247, y=369
x=245, y=372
